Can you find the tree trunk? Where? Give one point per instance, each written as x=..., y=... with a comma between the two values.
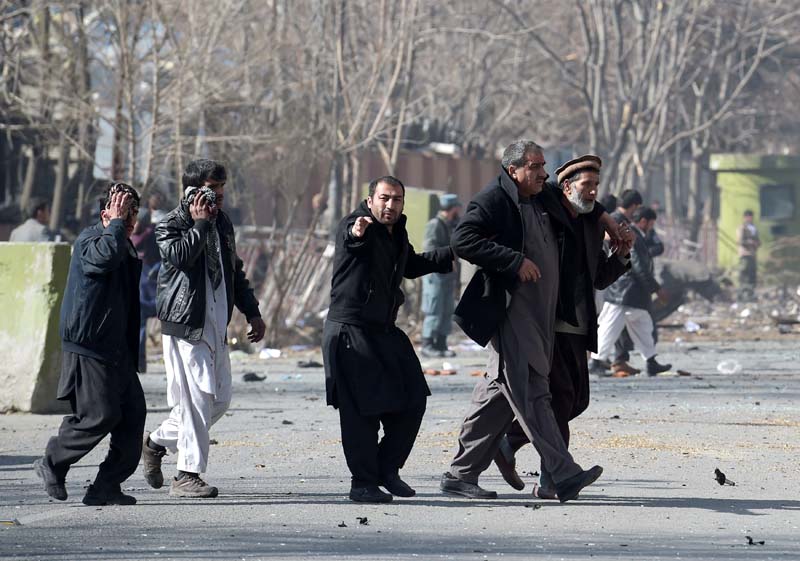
x=695, y=197
x=60, y=184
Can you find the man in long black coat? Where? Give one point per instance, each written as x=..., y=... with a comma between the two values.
x=584, y=266
x=511, y=301
x=372, y=375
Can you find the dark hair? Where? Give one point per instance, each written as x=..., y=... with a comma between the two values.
x=114, y=187
x=389, y=180
x=198, y=172
x=629, y=198
x=748, y=212
x=609, y=202
x=644, y=213
x=514, y=154
x=35, y=204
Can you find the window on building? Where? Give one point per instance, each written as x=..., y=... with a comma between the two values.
x=777, y=202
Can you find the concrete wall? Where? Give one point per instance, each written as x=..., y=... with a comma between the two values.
x=32, y=281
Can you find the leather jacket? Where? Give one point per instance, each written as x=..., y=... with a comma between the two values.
x=181, y=297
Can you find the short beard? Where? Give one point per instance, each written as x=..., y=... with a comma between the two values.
x=578, y=204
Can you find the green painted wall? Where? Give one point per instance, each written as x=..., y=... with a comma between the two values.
x=740, y=178
x=32, y=281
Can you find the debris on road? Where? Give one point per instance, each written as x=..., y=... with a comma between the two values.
x=729, y=367
x=721, y=478
x=309, y=364
x=363, y=520
x=269, y=353
x=342, y=524
x=253, y=377
x=750, y=541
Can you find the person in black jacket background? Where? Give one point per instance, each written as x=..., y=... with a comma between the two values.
x=372, y=375
x=100, y=346
x=628, y=300
x=199, y=282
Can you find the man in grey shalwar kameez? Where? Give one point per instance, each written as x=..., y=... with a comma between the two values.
x=509, y=235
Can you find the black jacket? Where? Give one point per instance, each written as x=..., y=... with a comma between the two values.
x=635, y=287
x=602, y=269
x=367, y=271
x=100, y=310
x=491, y=236
x=181, y=297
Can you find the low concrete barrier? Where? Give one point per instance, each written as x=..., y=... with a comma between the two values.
x=32, y=281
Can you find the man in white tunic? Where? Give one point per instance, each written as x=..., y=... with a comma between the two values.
x=200, y=280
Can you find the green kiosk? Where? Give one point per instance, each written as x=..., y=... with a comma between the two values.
x=770, y=187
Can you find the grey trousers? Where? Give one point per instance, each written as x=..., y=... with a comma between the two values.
x=493, y=409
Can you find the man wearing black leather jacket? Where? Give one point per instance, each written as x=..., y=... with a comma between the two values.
x=100, y=345
x=200, y=281
x=372, y=375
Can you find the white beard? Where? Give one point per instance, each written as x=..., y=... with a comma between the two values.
x=580, y=206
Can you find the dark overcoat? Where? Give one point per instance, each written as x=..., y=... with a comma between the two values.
x=361, y=345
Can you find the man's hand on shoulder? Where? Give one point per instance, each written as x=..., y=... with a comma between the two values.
x=360, y=226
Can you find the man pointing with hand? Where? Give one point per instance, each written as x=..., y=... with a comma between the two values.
x=372, y=375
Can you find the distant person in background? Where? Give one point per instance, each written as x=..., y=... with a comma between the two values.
x=748, y=240
x=155, y=204
x=628, y=302
x=144, y=240
x=654, y=243
x=34, y=229
x=439, y=290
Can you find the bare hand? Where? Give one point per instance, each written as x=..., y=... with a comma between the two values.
x=119, y=206
x=200, y=209
x=257, y=329
x=528, y=271
x=360, y=226
x=623, y=247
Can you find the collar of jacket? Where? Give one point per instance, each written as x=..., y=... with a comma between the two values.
x=507, y=184
x=363, y=210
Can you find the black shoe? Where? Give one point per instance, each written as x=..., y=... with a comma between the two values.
x=599, y=367
x=653, y=367
x=53, y=485
x=430, y=352
x=507, y=464
x=398, y=487
x=369, y=495
x=569, y=489
x=454, y=486
x=101, y=496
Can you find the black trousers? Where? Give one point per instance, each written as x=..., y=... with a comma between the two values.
x=370, y=461
x=105, y=399
x=569, y=387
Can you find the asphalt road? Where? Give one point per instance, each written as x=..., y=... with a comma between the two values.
x=283, y=480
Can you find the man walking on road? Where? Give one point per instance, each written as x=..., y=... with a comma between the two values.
x=100, y=346
x=372, y=375
x=511, y=301
x=439, y=290
x=200, y=280
x=583, y=267
x=628, y=301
